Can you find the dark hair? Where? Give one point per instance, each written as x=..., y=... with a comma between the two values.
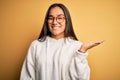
x=69, y=32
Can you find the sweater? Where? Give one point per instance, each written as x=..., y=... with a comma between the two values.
x=55, y=60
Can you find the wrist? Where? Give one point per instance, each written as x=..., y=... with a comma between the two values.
x=82, y=51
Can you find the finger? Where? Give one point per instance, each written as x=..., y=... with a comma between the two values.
x=99, y=42
x=102, y=41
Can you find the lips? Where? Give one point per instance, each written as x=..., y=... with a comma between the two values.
x=55, y=27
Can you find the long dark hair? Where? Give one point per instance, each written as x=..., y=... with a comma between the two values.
x=69, y=32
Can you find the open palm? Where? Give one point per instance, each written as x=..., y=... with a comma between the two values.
x=87, y=46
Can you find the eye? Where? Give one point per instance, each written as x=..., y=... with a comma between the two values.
x=60, y=18
x=50, y=18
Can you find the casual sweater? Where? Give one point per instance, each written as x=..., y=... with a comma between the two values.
x=55, y=60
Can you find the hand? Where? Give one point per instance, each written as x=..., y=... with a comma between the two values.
x=87, y=46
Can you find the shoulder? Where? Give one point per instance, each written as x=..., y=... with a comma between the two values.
x=75, y=42
x=37, y=43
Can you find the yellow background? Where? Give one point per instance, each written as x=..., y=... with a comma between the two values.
x=21, y=22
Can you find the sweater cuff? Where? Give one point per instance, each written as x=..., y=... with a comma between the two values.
x=81, y=55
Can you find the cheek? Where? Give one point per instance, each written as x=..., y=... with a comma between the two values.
x=49, y=26
x=64, y=25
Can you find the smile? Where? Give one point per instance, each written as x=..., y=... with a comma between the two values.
x=55, y=27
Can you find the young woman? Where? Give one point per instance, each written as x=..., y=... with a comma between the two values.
x=57, y=54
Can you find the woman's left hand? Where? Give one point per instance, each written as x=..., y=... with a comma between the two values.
x=87, y=46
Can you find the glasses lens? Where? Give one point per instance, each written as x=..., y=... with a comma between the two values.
x=58, y=19
x=50, y=19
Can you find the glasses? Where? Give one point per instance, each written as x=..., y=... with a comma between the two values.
x=59, y=19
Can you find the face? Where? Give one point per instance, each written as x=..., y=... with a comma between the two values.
x=56, y=22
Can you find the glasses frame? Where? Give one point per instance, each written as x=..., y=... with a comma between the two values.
x=55, y=18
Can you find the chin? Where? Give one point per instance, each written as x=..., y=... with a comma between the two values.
x=55, y=33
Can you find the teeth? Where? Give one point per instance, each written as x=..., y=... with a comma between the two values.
x=55, y=27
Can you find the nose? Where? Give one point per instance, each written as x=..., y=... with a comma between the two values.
x=55, y=21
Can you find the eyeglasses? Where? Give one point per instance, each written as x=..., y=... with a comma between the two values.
x=59, y=19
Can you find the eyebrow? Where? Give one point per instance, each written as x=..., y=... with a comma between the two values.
x=57, y=15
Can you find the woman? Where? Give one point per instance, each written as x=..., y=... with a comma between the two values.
x=57, y=54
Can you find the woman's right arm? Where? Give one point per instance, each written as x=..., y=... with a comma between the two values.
x=28, y=68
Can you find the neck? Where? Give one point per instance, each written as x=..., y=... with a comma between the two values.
x=57, y=37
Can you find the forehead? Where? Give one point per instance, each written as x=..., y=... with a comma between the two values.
x=56, y=11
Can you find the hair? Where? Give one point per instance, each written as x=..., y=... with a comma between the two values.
x=68, y=32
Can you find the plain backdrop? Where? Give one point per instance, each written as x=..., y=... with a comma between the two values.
x=21, y=22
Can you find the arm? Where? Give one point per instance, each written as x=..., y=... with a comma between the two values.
x=28, y=68
x=79, y=68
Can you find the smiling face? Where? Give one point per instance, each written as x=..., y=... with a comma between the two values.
x=56, y=22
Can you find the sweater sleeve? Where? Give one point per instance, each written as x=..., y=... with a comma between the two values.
x=78, y=68
x=28, y=68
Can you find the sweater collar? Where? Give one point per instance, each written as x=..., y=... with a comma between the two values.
x=55, y=40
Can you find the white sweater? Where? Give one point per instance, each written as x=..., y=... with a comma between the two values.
x=55, y=60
